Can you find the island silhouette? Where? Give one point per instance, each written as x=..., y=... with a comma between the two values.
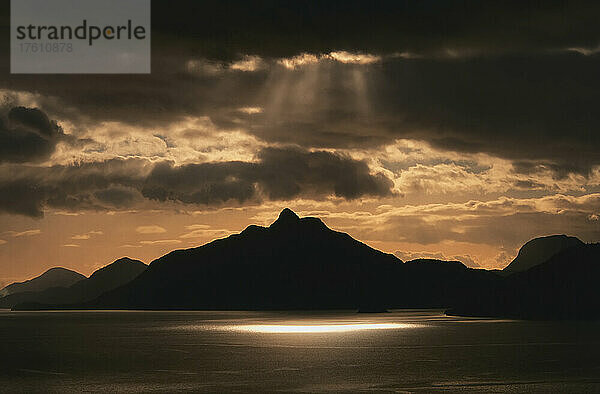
x=301, y=264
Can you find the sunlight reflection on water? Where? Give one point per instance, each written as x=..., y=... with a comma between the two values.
x=303, y=323
x=316, y=328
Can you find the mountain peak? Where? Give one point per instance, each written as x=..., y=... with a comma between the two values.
x=538, y=250
x=123, y=260
x=295, y=263
x=287, y=216
x=54, y=277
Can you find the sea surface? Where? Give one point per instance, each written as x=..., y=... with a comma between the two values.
x=218, y=352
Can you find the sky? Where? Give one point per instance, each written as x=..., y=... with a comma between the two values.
x=453, y=130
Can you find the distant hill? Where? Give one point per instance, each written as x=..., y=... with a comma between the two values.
x=539, y=250
x=107, y=278
x=54, y=277
x=564, y=287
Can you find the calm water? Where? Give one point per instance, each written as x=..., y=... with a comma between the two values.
x=403, y=351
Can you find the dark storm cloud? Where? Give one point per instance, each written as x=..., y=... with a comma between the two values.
x=27, y=135
x=278, y=174
x=290, y=173
x=225, y=29
x=528, y=185
x=207, y=183
x=21, y=197
x=469, y=76
x=33, y=120
x=117, y=196
x=29, y=190
x=537, y=108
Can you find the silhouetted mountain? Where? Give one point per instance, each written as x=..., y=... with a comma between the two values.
x=292, y=264
x=54, y=277
x=564, y=287
x=107, y=278
x=539, y=250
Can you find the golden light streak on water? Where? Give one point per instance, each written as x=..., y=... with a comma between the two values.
x=317, y=328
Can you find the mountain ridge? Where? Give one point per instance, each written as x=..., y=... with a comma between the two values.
x=539, y=250
x=545, y=291
x=53, y=277
x=104, y=279
x=300, y=263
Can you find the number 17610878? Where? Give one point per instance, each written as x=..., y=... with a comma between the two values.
x=47, y=47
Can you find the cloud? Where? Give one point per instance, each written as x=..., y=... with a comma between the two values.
x=87, y=235
x=585, y=51
x=205, y=232
x=152, y=229
x=353, y=58
x=509, y=221
x=197, y=227
x=276, y=174
x=251, y=110
x=300, y=60
x=537, y=111
x=471, y=78
x=27, y=135
x=427, y=28
x=204, y=67
x=161, y=242
x=473, y=106
x=210, y=68
x=483, y=105
x=117, y=196
x=26, y=233
x=28, y=190
x=248, y=64
x=306, y=59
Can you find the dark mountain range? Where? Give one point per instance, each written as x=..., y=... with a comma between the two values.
x=564, y=287
x=539, y=250
x=107, y=278
x=302, y=264
x=293, y=264
x=54, y=277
